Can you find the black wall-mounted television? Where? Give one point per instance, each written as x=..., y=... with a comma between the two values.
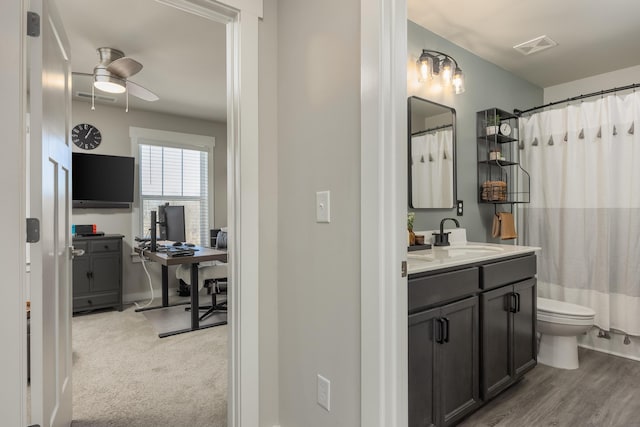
x=100, y=181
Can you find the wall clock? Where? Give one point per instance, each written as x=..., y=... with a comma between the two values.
x=505, y=129
x=86, y=136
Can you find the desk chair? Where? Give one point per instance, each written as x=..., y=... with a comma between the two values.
x=211, y=276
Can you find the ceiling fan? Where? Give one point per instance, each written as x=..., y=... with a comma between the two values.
x=113, y=72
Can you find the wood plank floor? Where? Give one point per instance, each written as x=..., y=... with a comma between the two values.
x=603, y=392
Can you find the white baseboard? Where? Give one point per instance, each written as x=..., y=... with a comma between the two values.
x=614, y=345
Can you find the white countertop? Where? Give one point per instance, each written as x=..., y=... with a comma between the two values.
x=461, y=254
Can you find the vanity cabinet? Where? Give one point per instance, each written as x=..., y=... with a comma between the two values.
x=443, y=351
x=508, y=335
x=471, y=335
x=97, y=274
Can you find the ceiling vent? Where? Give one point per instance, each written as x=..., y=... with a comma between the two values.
x=535, y=45
x=102, y=98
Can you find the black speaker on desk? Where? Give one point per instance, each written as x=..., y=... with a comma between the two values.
x=214, y=235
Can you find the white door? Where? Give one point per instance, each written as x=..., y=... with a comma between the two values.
x=50, y=197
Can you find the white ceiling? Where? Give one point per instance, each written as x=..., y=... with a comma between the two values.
x=593, y=36
x=183, y=55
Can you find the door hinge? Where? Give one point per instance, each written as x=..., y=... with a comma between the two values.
x=404, y=268
x=33, y=230
x=33, y=24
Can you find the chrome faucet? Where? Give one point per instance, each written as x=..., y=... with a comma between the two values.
x=442, y=238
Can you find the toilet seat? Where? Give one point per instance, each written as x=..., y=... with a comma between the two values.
x=563, y=312
x=562, y=308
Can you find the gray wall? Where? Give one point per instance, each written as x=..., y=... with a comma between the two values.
x=318, y=264
x=114, y=125
x=268, y=219
x=487, y=86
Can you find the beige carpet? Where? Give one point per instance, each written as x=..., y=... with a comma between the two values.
x=124, y=375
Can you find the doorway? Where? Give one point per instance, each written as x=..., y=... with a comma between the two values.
x=243, y=48
x=185, y=68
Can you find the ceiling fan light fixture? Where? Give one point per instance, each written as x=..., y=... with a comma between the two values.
x=109, y=84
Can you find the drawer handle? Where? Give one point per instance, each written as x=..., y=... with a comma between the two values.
x=89, y=301
x=106, y=246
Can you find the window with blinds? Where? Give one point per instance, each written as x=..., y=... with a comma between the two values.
x=177, y=176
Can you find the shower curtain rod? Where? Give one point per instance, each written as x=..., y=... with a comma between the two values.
x=575, y=98
x=422, y=132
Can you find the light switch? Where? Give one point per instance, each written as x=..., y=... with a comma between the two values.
x=323, y=205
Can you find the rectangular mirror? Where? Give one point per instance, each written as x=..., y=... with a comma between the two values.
x=432, y=155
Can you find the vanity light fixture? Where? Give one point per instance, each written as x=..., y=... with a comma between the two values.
x=434, y=65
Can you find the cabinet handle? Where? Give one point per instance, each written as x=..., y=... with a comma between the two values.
x=446, y=329
x=88, y=275
x=513, y=308
x=517, y=302
x=440, y=331
x=89, y=301
x=106, y=246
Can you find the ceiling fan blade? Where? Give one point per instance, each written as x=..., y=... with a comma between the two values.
x=140, y=92
x=124, y=67
x=75, y=73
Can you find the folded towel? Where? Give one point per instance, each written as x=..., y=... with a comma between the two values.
x=504, y=226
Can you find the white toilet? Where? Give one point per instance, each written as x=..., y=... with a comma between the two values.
x=559, y=324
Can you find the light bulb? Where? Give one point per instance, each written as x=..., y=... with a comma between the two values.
x=425, y=67
x=109, y=84
x=447, y=72
x=458, y=81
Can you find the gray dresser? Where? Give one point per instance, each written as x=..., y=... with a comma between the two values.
x=97, y=275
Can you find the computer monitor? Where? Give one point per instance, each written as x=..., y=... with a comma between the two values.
x=172, y=225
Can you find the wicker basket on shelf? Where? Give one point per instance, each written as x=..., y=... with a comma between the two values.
x=494, y=191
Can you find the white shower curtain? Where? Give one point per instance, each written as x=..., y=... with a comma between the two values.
x=432, y=169
x=584, y=162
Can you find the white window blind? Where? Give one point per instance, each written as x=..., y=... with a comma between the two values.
x=177, y=176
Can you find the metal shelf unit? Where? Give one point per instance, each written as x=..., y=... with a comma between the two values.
x=501, y=179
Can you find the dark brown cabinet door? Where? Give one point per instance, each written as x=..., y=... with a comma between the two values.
x=496, y=340
x=422, y=382
x=524, y=327
x=457, y=360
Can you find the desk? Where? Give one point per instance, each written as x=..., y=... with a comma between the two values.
x=201, y=255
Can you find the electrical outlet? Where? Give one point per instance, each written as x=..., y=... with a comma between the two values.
x=324, y=392
x=459, y=208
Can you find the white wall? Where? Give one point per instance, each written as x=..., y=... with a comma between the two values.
x=619, y=78
x=318, y=264
x=114, y=125
x=268, y=221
